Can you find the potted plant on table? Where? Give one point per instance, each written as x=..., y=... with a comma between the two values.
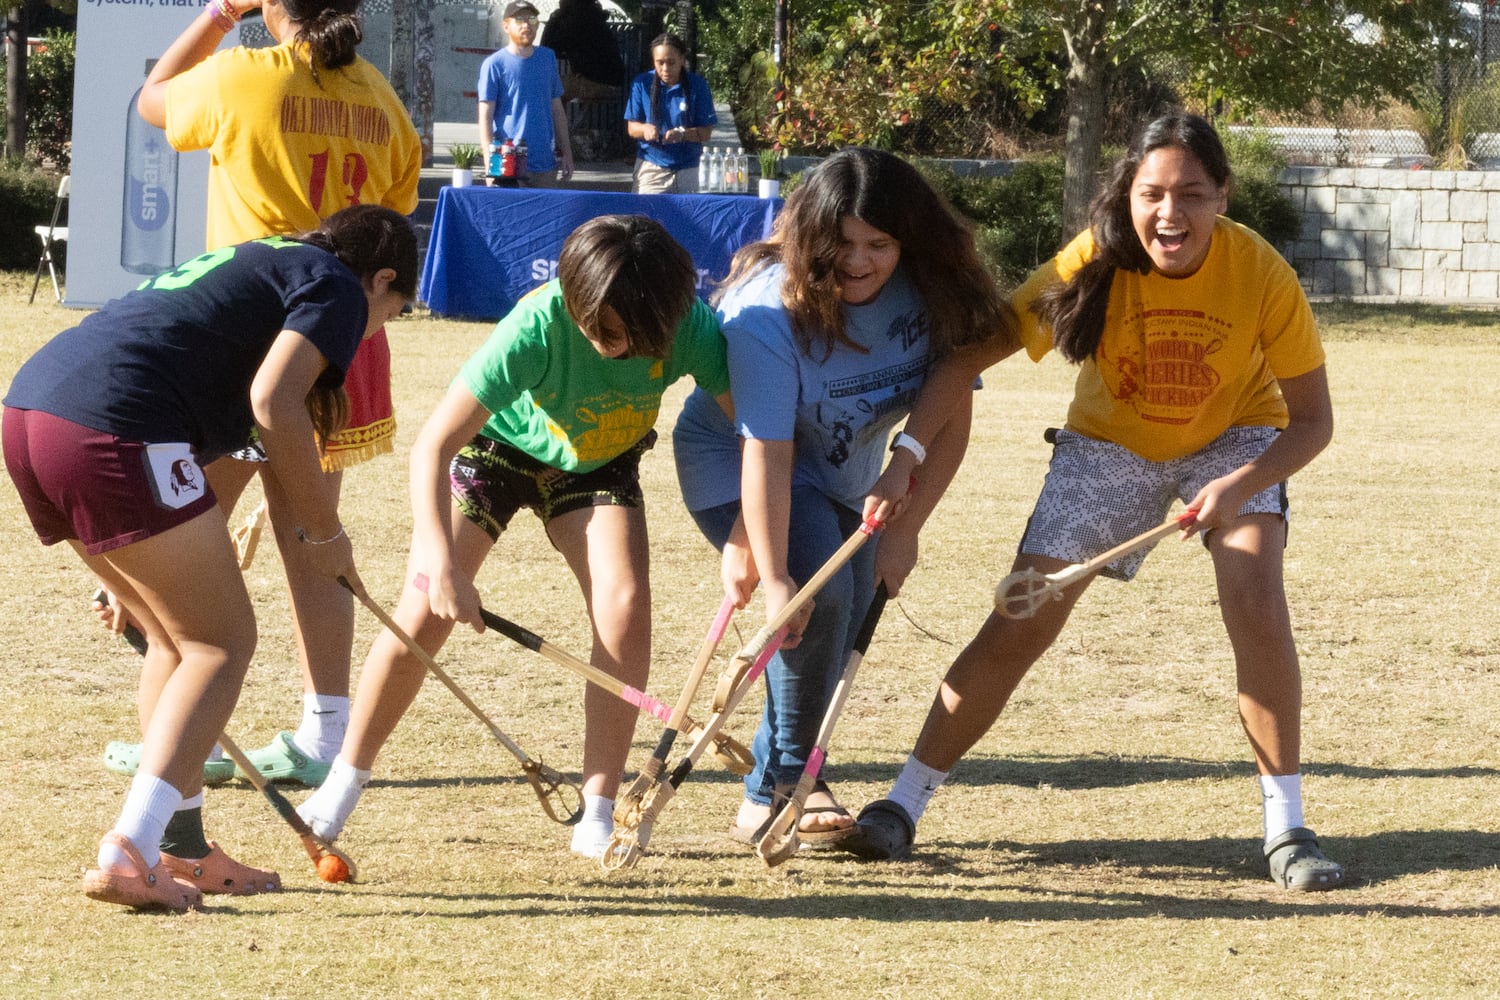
x=769, y=185
x=465, y=158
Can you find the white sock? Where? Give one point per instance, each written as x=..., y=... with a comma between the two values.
x=328, y=808
x=196, y=802
x=149, y=804
x=1281, y=800
x=324, y=719
x=591, y=835
x=915, y=786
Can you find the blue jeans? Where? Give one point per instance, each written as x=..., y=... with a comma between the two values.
x=800, y=681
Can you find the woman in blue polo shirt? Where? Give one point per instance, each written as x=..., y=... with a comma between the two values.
x=670, y=114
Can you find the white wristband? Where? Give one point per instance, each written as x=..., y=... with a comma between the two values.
x=911, y=444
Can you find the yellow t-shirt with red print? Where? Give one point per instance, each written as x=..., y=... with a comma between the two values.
x=288, y=151
x=1183, y=359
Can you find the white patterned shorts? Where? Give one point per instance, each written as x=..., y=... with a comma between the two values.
x=1098, y=494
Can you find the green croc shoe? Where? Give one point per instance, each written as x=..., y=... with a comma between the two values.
x=125, y=758
x=1297, y=863
x=282, y=761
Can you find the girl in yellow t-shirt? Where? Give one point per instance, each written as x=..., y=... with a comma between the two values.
x=1200, y=378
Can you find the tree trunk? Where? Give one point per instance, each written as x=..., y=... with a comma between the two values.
x=1085, y=90
x=15, y=81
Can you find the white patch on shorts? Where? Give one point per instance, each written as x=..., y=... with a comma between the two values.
x=176, y=478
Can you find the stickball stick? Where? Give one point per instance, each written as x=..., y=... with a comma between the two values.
x=1022, y=593
x=561, y=799
x=651, y=771
x=835, y=562
x=780, y=841
x=735, y=755
x=316, y=847
x=636, y=812
x=634, y=820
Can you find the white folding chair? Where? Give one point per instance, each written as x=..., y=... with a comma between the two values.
x=51, y=233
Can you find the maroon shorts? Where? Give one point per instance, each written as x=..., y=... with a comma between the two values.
x=102, y=490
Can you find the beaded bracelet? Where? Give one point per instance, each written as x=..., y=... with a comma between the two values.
x=302, y=537
x=223, y=14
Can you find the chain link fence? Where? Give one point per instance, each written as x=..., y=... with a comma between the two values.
x=1454, y=125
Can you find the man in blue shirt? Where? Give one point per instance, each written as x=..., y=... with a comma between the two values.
x=520, y=98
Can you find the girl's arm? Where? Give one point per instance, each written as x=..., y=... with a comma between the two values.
x=196, y=43
x=897, y=554
x=946, y=395
x=278, y=401
x=765, y=501
x=458, y=417
x=1307, y=433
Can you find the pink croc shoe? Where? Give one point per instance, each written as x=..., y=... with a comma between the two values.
x=144, y=889
x=218, y=873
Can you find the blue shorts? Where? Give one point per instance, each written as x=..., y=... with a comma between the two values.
x=491, y=480
x=1099, y=494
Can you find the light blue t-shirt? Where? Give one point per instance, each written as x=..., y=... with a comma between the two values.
x=839, y=411
x=522, y=91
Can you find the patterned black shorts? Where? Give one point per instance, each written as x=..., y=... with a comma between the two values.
x=491, y=481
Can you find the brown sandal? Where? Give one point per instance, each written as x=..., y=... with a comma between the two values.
x=145, y=888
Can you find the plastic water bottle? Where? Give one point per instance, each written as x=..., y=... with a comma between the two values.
x=148, y=230
x=496, y=164
x=741, y=170
x=703, y=170
x=521, y=168
x=715, y=171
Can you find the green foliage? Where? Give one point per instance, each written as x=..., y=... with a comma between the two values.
x=26, y=198
x=1453, y=114
x=1265, y=208
x=465, y=155
x=871, y=74
x=1283, y=55
x=49, y=100
x=1018, y=217
x=1256, y=198
x=770, y=163
x=1252, y=153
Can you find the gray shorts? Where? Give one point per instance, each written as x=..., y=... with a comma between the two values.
x=1098, y=494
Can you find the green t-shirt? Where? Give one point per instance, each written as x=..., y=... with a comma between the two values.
x=552, y=396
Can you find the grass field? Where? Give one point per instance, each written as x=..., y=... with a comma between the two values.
x=1101, y=841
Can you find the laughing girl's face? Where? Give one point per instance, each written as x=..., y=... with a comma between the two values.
x=866, y=259
x=1173, y=202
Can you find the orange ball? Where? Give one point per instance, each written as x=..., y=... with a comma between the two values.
x=331, y=868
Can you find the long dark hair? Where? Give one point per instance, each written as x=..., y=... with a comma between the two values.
x=1075, y=309
x=366, y=238
x=658, y=113
x=937, y=251
x=331, y=29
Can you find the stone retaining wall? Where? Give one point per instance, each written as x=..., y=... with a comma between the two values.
x=1416, y=235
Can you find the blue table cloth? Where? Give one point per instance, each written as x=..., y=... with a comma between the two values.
x=490, y=246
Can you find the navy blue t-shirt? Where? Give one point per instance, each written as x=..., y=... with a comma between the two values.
x=174, y=359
